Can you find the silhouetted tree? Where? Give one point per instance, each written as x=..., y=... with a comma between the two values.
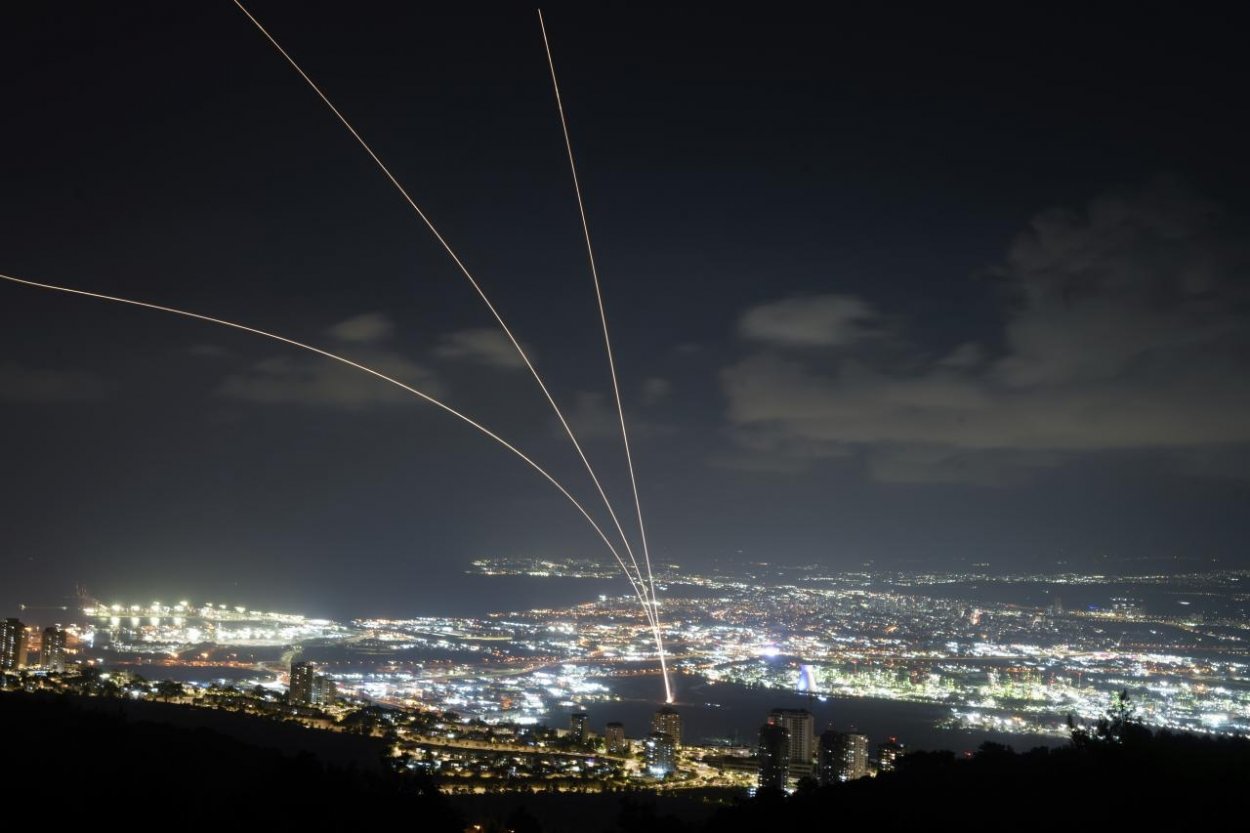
x=1119, y=725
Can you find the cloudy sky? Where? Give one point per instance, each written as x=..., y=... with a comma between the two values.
x=910, y=290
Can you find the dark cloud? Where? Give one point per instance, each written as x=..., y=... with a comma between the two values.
x=1143, y=286
x=366, y=328
x=655, y=390
x=1127, y=329
x=303, y=380
x=483, y=345
x=593, y=416
x=810, y=321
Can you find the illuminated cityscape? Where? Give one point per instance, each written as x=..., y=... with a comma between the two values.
x=484, y=702
x=624, y=419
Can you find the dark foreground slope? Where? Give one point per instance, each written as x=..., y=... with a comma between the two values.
x=102, y=763
x=1131, y=782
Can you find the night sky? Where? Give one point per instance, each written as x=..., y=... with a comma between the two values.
x=914, y=289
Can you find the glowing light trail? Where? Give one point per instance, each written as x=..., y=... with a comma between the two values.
x=365, y=369
x=607, y=343
x=651, y=613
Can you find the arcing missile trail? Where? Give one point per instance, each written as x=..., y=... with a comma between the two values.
x=651, y=613
x=607, y=343
x=652, y=610
x=365, y=369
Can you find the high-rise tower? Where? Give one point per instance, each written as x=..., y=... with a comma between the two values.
x=52, y=648
x=801, y=726
x=12, y=645
x=774, y=756
x=667, y=721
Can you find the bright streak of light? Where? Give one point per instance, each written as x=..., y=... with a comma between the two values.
x=472, y=281
x=363, y=368
x=607, y=342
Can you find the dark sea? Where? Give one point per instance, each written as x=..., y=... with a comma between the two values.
x=731, y=713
